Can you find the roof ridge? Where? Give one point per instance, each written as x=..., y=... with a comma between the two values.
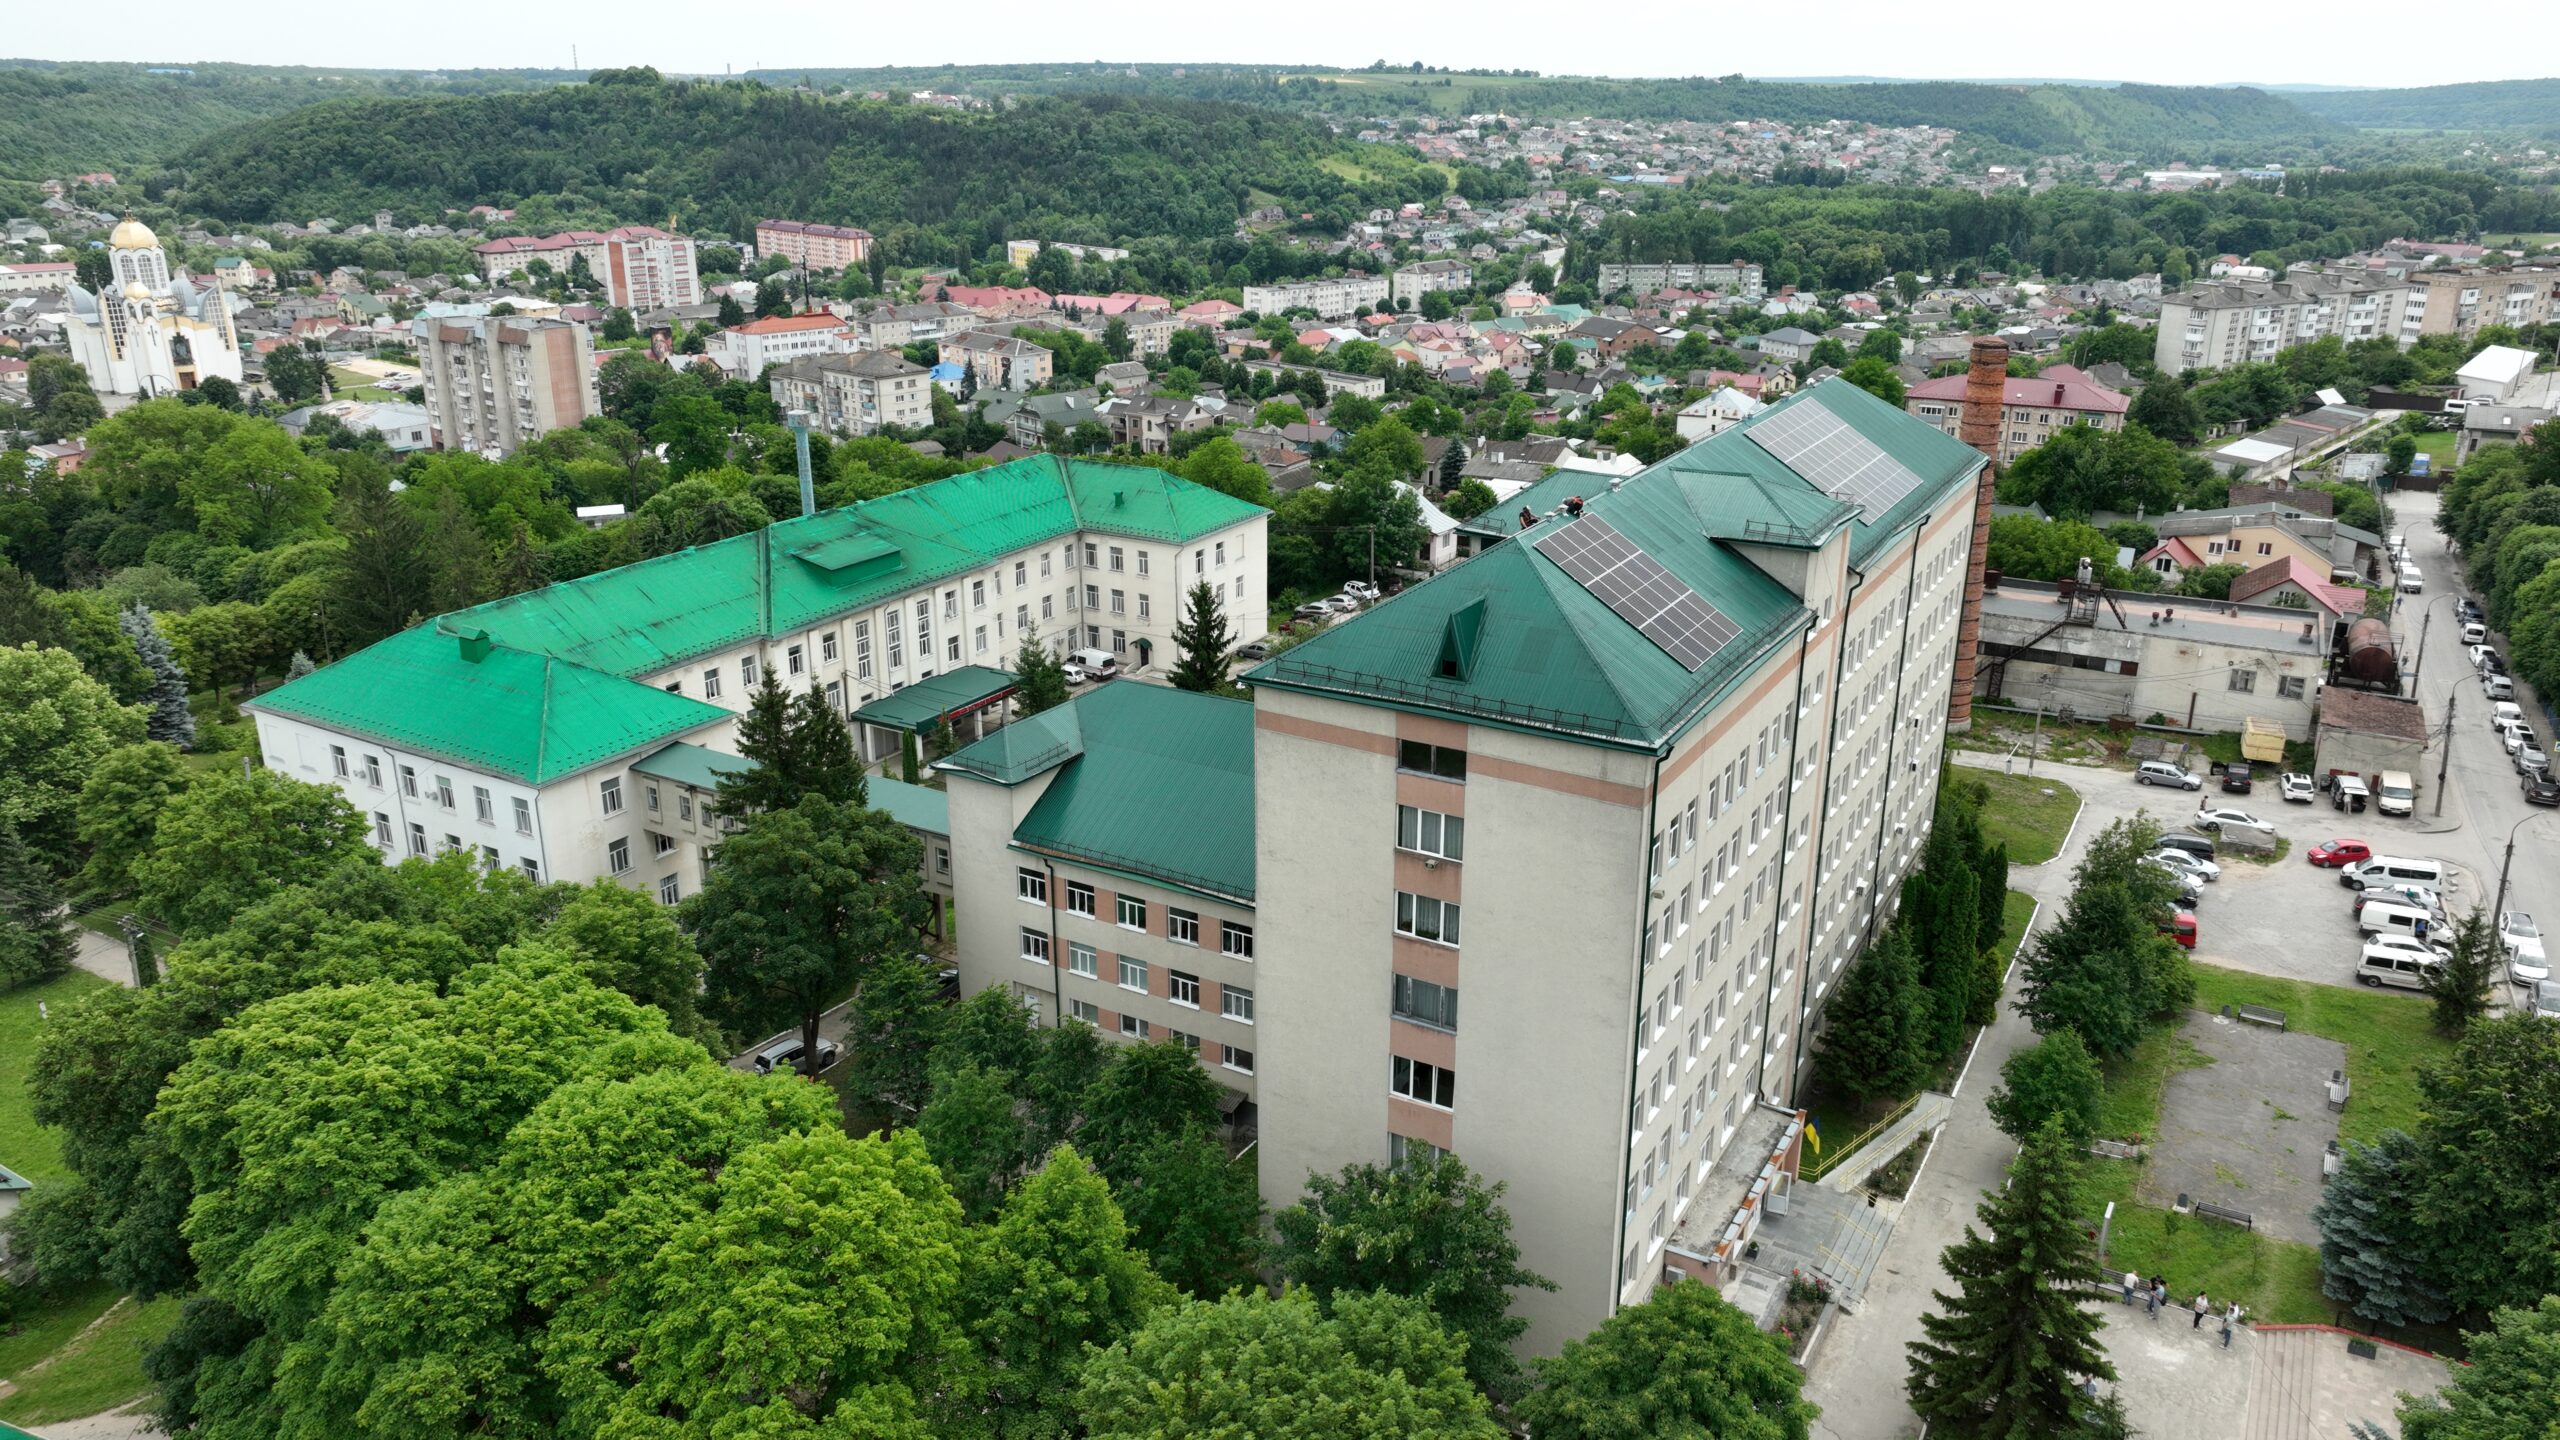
x=542, y=725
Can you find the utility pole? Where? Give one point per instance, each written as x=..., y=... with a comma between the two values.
x=2425, y=622
x=2446, y=758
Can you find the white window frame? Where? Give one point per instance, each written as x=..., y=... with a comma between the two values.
x=1182, y=927
x=1443, y=924
x=1236, y=1003
x=617, y=855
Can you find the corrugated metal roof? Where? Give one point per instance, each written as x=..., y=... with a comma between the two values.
x=1550, y=656
x=1159, y=784
x=513, y=713
x=688, y=764
x=954, y=692
x=918, y=807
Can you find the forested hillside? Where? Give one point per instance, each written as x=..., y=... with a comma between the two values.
x=2532, y=106
x=721, y=155
x=62, y=119
x=2203, y=124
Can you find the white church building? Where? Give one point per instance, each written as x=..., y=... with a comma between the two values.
x=154, y=332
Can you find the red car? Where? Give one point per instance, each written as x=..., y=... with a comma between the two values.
x=2335, y=854
x=2181, y=927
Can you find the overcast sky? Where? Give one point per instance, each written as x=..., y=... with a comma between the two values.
x=2345, y=42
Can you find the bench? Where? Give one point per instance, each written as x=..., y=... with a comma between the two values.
x=2207, y=1210
x=2263, y=1015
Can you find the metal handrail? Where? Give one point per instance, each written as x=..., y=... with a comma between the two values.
x=1830, y=1161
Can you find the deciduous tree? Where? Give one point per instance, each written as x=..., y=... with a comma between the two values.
x=2055, y=1078
x=230, y=840
x=898, y=1018
x=56, y=724
x=1196, y=1212
x=1685, y=1362
x=2506, y=1391
x=119, y=812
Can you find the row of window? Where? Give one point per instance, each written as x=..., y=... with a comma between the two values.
x=1181, y=926
x=1233, y=1057
x=617, y=854
x=483, y=805
x=1181, y=986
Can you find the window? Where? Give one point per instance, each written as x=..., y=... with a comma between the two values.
x=524, y=816
x=835, y=697
x=480, y=805
x=1199, y=562
x=610, y=791
x=748, y=671
x=1425, y=1003
x=1222, y=554
x=661, y=844
x=1035, y=946
x=951, y=647
x=1031, y=885
x=2289, y=687
x=1428, y=1084
x=670, y=890
x=1133, y=1027
x=1021, y=575
x=1440, y=760
x=1079, y=899
x=1183, y=1038
x=1021, y=617
x=890, y=634
x=1181, y=926
x=1142, y=562
x=1145, y=610
x=452, y=842
x=1237, y=1060
x=941, y=860
x=1086, y=1011
x=1044, y=562
x=1427, y=919
x=1093, y=597
x=373, y=771
x=1429, y=832
x=827, y=647
x=1236, y=1003
x=2266, y=547
x=409, y=781
x=1116, y=565
x=862, y=649
x=531, y=867
x=1080, y=960
x=793, y=662
x=1133, y=913
x=2244, y=680
x=617, y=856
x=977, y=638
x=1401, y=1149
x=1133, y=974
x=1119, y=642
x=1046, y=609
x=977, y=594
x=1183, y=987
x=950, y=604
x=684, y=804
x=1235, y=939
x=711, y=684
x=417, y=838
x=338, y=760
x=1090, y=550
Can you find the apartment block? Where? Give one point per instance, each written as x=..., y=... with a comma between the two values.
x=855, y=394
x=573, y=732
x=2218, y=324
x=814, y=247
x=648, y=269
x=2032, y=411
x=1739, y=278
x=2459, y=302
x=508, y=254
x=1105, y=860
x=1000, y=362
x=744, y=350
x=495, y=382
x=1414, y=281
x=1328, y=299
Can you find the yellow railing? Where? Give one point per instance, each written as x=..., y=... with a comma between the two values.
x=1831, y=1158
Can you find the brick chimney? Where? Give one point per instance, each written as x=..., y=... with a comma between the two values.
x=1984, y=386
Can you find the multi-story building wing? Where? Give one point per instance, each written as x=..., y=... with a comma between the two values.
x=2459, y=302
x=1329, y=299
x=2217, y=324
x=495, y=382
x=744, y=350
x=1740, y=278
x=817, y=247
x=646, y=268
x=566, y=718
x=2032, y=411
x=855, y=394
x=1414, y=281
x=1637, y=786
x=1105, y=870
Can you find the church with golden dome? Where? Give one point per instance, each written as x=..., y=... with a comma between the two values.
x=154, y=332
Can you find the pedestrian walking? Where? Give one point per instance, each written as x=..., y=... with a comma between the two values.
x=2130, y=1281
x=2158, y=1296
x=2230, y=1318
x=2202, y=1305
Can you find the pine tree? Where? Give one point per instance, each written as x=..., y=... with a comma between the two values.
x=170, y=720
x=1950, y=961
x=519, y=566
x=1040, y=679
x=1200, y=640
x=299, y=666
x=2008, y=1353
x=36, y=941
x=823, y=759
x=2460, y=986
x=1872, y=1033
x=764, y=736
x=1452, y=461
x=907, y=756
x=2367, y=1219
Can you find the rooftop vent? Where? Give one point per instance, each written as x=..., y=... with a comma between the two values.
x=475, y=643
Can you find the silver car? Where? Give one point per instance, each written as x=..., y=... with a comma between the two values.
x=2546, y=1001
x=2193, y=866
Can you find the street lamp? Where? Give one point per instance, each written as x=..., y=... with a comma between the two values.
x=2500, y=907
x=2426, y=621
x=2444, y=756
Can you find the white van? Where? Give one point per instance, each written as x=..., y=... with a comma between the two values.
x=2498, y=687
x=2383, y=965
x=2503, y=712
x=2395, y=869
x=2411, y=582
x=2397, y=795
x=2475, y=633
x=2378, y=918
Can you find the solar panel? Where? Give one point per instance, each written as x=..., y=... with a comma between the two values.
x=1633, y=584
x=1839, y=461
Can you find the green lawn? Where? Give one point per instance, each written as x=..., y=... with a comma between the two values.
x=2134, y=1083
x=2276, y=1281
x=2388, y=1038
x=2437, y=446
x=25, y=1146
x=2015, y=912
x=99, y=1371
x=2024, y=816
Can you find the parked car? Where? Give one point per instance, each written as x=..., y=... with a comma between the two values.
x=784, y=1054
x=2161, y=772
x=2195, y=865
x=2475, y=633
x=2211, y=820
x=1096, y=664
x=1314, y=612
x=2186, y=893
x=2297, y=788
x=2505, y=713
x=1360, y=590
x=2339, y=853
x=2236, y=778
x=2181, y=927
x=2522, y=940
x=2541, y=789
x=1254, y=650
x=2388, y=960
x=2412, y=897
x=2422, y=949
x=2469, y=609
x=2545, y=1004
x=2520, y=736
x=2202, y=847
x=2531, y=761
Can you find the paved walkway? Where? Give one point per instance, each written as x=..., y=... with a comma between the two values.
x=103, y=957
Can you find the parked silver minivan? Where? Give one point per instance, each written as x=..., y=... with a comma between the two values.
x=2394, y=967
x=2388, y=869
x=2380, y=918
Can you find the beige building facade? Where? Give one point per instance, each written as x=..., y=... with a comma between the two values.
x=494, y=383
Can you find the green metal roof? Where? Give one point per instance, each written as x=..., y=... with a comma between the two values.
x=954, y=692
x=526, y=716
x=1543, y=653
x=642, y=618
x=918, y=807
x=1151, y=781
x=1503, y=520
x=688, y=764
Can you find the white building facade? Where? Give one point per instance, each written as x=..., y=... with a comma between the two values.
x=154, y=332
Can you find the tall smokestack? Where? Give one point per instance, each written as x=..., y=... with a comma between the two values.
x=1985, y=383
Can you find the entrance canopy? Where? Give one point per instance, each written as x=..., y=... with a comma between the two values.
x=922, y=705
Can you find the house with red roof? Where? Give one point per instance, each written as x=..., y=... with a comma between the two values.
x=2172, y=558
x=2032, y=410
x=2289, y=581
x=996, y=302
x=1209, y=314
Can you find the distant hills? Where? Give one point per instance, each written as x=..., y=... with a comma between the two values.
x=58, y=119
x=2528, y=106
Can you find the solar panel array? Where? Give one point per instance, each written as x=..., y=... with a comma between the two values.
x=1839, y=461
x=1635, y=585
